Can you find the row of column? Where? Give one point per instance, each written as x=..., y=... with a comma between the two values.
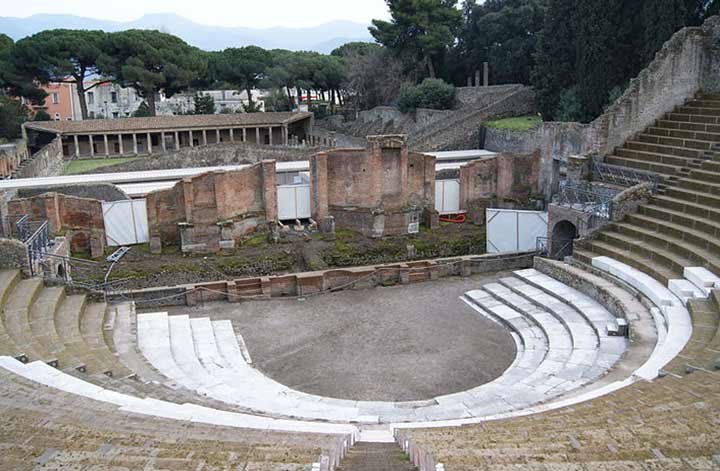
x=285, y=138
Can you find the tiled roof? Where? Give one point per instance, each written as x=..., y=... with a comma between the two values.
x=167, y=123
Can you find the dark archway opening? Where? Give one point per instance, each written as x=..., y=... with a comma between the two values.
x=564, y=233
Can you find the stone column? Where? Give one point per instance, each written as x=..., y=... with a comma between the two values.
x=244, y=134
x=204, y=137
x=192, y=144
x=270, y=136
x=477, y=78
x=77, y=146
x=285, y=135
x=217, y=136
x=232, y=135
x=177, y=140
x=486, y=74
x=135, y=146
x=257, y=136
x=120, y=144
x=149, y=139
x=92, y=145
x=162, y=142
x=107, y=148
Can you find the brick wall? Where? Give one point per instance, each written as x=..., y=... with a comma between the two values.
x=243, y=199
x=375, y=191
x=495, y=179
x=80, y=218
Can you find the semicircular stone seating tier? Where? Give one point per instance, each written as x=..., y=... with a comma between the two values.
x=561, y=337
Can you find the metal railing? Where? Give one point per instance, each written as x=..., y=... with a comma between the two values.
x=587, y=200
x=552, y=248
x=623, y=176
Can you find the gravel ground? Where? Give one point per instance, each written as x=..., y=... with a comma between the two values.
x=399, y=343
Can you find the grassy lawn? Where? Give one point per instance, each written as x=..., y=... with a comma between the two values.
x=87, y=165
x=519, y=123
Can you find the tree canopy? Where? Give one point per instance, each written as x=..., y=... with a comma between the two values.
x=152, y=61
x=242, y=67
x=424, y=29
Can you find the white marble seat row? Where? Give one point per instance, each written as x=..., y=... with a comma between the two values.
x=677, y=321
x=703, y=279
x=46, y=375
x=549, y=363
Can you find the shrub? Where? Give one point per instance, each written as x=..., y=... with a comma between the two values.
x=431, y=93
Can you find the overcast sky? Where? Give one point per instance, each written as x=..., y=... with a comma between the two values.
x=251, y=13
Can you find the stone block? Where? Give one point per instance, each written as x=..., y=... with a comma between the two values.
x=155, y=245
x=327, y=225
x=97, y=247
x=227, y=244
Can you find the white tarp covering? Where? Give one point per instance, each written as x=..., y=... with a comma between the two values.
x=447, y=196
x=514, y=230
x=126, y=222
x=293, y=202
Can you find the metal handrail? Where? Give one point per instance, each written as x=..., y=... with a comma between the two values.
x=624, y=176
x=596, y=203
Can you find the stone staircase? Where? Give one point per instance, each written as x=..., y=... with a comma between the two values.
x=376, y=457
x=680, y=225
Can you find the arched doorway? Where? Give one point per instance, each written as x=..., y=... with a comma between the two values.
x=563, y=235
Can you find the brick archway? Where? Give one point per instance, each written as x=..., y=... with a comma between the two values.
x=563, y=235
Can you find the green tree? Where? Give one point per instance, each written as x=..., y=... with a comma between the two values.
x=423, y=29
x=503, y=33
x=142, y=111
x=569, y=107
x=152, y=62
x=601, y=57
x=41, y=115
x=242, y=67
x=357, y=48
x=12, y=114
x=63, y=56
x=434, y=94
x=555, y=62
x=204, y=104
x=662, y=18
x=15, y=80
x=713, y=8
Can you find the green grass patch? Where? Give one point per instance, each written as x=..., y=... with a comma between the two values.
x=519, y=123
x=87, y=165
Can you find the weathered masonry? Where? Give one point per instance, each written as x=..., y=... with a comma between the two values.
x=159, y=134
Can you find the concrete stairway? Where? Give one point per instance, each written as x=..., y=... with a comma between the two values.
x=376, y=457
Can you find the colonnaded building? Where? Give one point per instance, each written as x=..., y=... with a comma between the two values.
x=588, y=337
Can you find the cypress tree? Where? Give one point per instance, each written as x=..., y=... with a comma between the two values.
x=555, y=58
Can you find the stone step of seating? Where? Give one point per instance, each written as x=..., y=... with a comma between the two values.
x=682, y=142
x=694, y=197
x=671, y=124
x=664, y=240
x=664, y=150
x=15, y=319
x=699, y=186
x=658, y=157
x=91, y=329
x=702, y=102
x=683, y=134
x=680, y=205
x=42, y=324
x=693, y=118
x=685, y=290
x=683, y=228
x=696, y=353
x=704, y=279
x=8, y=280
x=662, y=169
x=635, y=259
x=376, y=457
x=710, y=172
x=697, y=110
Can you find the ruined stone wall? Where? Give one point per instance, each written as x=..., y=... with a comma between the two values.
x=80, y=218
x=13, y=255
x=11, y=155
x=98, y=191
x=374, y=191
x=509, y=140
x=688, y=62
x=47, y=162
x=495, y=179
x=241, y=201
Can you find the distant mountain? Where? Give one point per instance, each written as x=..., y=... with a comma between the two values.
x=323, y=38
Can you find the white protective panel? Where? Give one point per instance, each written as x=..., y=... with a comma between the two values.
x=293, y=202
x=447, y=196
x=513, y=230
x=126, y=222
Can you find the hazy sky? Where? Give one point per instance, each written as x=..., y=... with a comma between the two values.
x=251, y=13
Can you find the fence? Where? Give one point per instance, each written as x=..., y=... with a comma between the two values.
x=623, y=176
x=36, y=237
x=587, y=199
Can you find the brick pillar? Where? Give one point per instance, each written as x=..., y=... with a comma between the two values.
x=269, y=179
x=319, y=186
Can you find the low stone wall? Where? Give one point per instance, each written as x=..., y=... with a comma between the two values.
x=628, y=201
x=99, y=191
x=422, y=459
x=210, y=156
x=509, y=140
x=13, y=255
x=11, y=156
x=314, y=283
